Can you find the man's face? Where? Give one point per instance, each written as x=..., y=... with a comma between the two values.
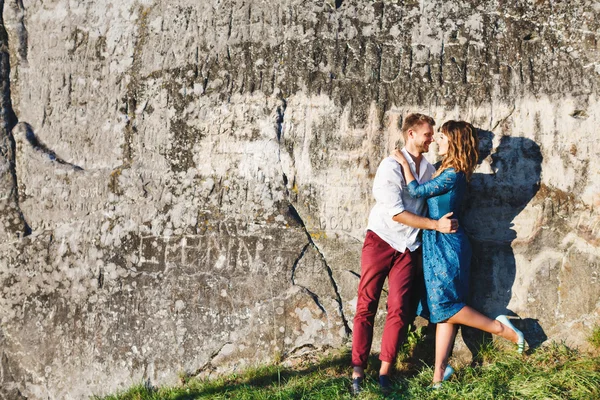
x=422, y=136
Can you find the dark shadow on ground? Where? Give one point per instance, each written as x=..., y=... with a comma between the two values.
x=533, y=331
x=336, y=368
x=423, y=354
x=272, y=377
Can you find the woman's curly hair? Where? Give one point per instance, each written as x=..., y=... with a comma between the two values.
x=463, y=144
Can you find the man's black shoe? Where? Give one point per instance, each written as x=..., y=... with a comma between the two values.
x=384, y=384
x=356, y=389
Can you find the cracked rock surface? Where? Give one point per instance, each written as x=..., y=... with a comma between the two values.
x=184, y=185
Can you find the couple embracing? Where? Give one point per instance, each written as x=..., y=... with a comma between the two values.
x=412, y=196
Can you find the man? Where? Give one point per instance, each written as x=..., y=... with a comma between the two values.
x=391, y=249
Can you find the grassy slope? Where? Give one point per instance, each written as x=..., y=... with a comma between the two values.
x=552, y=372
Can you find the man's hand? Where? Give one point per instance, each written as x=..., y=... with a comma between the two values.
x=446, y=225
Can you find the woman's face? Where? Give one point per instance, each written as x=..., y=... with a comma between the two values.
x=442, y=142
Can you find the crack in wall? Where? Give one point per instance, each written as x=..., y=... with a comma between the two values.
x=280, y=114
x=40, y=146
x=314, y=296
x=297, y=349
x=338, y=297
x=441, y=67
x=502, y=120
x=279, y=127
x=21, y=29
x=130, y=100
x=208, y=364
x=12, y=217
x=133, y=85
x=10, y=389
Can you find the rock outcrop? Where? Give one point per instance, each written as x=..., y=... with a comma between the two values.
x=184, y=185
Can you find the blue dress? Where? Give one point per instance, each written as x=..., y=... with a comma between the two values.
x=446, y=256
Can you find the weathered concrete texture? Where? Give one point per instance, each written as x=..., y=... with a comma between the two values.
x=184, y=186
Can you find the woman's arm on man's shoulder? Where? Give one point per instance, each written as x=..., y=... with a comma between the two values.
x=439, y=185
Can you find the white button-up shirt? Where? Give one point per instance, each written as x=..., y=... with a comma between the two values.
x=392, y=198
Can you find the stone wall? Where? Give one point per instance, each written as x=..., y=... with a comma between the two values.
x=184, y=185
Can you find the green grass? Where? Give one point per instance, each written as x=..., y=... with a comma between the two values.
x=552, y=372
x=594, y=338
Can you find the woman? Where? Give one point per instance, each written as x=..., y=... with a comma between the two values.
x=447, y=257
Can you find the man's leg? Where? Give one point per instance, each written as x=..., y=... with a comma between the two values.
x=376, y=261
x=418, y=285
x=399, y=307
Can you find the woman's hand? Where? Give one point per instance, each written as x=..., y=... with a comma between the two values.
x=398, y=156
x=406, y=172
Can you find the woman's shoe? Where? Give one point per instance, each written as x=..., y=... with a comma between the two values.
x=521, y=339
x=448, y=373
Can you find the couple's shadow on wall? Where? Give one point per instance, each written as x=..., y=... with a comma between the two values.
x=508, y=181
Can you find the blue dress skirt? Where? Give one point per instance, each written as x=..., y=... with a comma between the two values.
x=446, y=256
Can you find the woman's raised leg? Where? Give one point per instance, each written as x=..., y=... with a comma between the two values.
x=473, y=318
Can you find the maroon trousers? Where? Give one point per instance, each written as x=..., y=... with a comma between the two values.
x=379, y=261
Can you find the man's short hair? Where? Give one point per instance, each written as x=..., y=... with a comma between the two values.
x=414, y=119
